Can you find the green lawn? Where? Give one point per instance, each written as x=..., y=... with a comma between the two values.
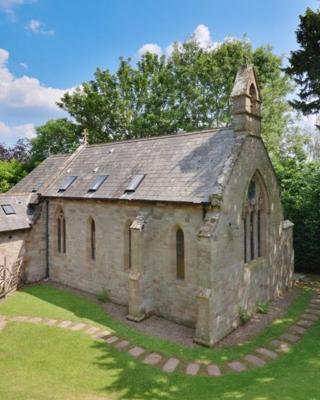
x=46, y=301
x=39, y=362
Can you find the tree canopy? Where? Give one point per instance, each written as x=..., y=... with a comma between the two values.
x=188, y=90
x=304, y=65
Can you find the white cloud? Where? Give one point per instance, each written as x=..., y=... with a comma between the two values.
x=150, y=48
x=23, y=65
x=14, y=132
x=37, y=27
x=8, y=6
x=25, y=92
x=172, y=47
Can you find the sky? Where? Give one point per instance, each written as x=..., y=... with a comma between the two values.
x=48, y=47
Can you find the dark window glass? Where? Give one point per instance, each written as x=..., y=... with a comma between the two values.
x=245, y=239
x=8, y=209
x=134, y=183
x=59, y=234
x=64, y=242
x=93, y=240
x=98, y=182
x=66, y=183
x=259, y=233
x=129, y=247
x=180, y=254
x=251, y=236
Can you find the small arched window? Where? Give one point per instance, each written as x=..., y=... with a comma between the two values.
x=254, y=221
x=253, y=98
x=127, y=245
x=61, y=232
x=180, y=268
x=93, y=240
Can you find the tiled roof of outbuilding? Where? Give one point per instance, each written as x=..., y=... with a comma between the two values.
x=20, y=219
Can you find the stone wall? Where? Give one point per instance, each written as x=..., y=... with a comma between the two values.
x=12, y=246
x=238, y=287
x=161, y=293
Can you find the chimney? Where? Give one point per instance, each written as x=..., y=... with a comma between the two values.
x=246, y=102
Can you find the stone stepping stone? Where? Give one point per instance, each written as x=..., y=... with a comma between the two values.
x=297, y=329
x=237, y=366
x=170, y=365
x=102, y=335
x=136, y=351
x=78, y=327
x=267, y=353
x=312, y=317
x=152, y=359
x=290, y=337
x=92, y=330
x=35, y=320
x=315, y=301
x=280, y=346
x=213, y=370
x=51, y=322
x=65, y=324
x=258, y=362
x=19, y=319
x=112, y=339
x=304, y=322
x=192, y=368
x=122, y=344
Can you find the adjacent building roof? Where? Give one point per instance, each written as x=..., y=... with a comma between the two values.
x=14, y=212
x=180, y=168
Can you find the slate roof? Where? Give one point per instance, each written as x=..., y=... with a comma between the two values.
x=41, y=175
x=187, y=167
x=19, y=220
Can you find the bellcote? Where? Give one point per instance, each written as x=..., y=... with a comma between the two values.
x=246, y=102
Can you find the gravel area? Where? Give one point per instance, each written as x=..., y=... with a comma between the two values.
x=169, y=330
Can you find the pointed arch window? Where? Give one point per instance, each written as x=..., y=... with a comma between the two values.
x=254, y=223
x=92, y=239
x=127, y=245
x=180, y=267
x=253, y=98
x=61, y=232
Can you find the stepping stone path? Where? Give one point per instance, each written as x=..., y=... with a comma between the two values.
x=255, y=360
x=262, y=356
x=213, y=370
x=152, y=359
x=237, y=366
x=170, y=365
x=192, y=368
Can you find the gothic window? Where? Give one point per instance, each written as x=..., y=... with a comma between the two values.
x=61, y=232
x=180, y=254
x=253, y=96
x=127, y=245
x=254, y=221
x=93, y=240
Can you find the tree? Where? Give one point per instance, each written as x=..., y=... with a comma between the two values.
x=56, y=136
x=304, y=65
x=10, y=173
x=186, y=91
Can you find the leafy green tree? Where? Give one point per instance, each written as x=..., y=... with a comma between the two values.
x=186, y=91
x=304, y=65
x=10, y=173
x=56, y=136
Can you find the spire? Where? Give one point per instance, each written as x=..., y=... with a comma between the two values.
x=246, y=102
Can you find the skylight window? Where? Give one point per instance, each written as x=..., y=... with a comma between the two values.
x=8, y=209
x=97, y=183
x=134, y=183
x=66, y=183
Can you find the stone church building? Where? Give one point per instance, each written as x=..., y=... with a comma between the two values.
x=189, y=226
